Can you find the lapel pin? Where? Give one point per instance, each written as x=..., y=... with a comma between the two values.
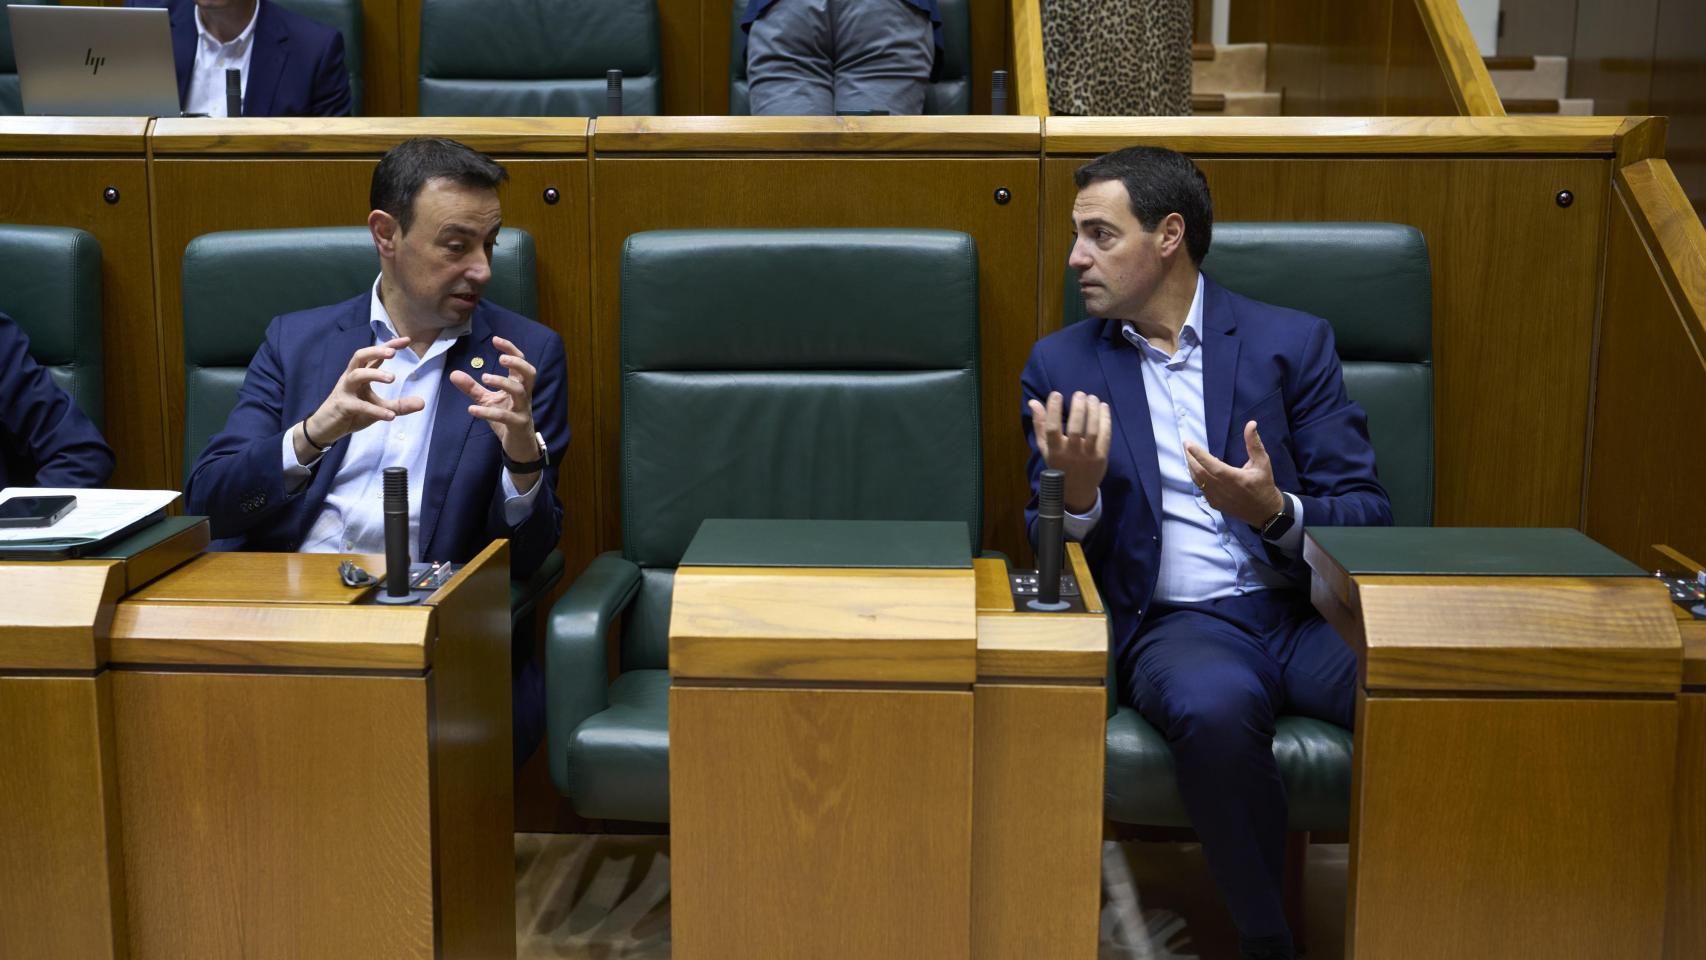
x=477, y=362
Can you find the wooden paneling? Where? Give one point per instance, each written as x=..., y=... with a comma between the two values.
x=1685, y=927
x=62, y=889
x=1353, y=59
x=408, y=57
x=991, y=50
x=1537, y=27
x=54, y=616
x=261, y=578
x=303, y=187
x=381, y=72
x=1679, y=90
x=1416, y=85
x=1643, y=484
x=1514, y=276
x=1456, y=56
x=276, y=816
x=53, y=172
x=684, y=29
x=819, y=823
x=1612, y=62
x=1037, y=821
x=1029, y=79
x=1373, y=137
x=368, y=637
x=1511, y=828
x=858, y=190
x=1295, y=55
x=840, y=135
x=916, y=626
x=713, y=59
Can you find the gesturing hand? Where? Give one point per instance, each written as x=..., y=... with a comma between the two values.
x=352, y=404
x=506, y=404
x=1246, y=493
x=1079, y=448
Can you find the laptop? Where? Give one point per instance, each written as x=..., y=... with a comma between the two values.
x=94, y=61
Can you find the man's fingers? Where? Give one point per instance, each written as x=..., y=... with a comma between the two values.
x=463, y=382
x=509, y=385
x=513, y=418
x=518, y=366
x=1104, y=431
x=1253, y=442
x=362, y=377
x=505, y=347
x=1075, y=419
x=404, y=405
x=1210, y=465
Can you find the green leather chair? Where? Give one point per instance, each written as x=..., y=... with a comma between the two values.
x=343, y=16
x=11, y=101
x=235, y=283
x=765, y=374
x=950, y=93
x=1372, y=282
x=50, y=283
x=537, y=58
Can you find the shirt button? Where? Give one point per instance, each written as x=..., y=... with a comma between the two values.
x=348, y=545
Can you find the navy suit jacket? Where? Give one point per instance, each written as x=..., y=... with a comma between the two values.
x=238, y=482
x=1264, y=363
x=296, y=68
x=45, y=441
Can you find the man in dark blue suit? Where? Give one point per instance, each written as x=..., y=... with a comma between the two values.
x=291, y=66
x=1203, y=431
x=45, y=441
x=418, y=372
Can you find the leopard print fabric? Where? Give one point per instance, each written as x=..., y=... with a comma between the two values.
x=1118, y=58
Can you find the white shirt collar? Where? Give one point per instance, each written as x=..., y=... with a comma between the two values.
x=211, y=44
x=380, y=320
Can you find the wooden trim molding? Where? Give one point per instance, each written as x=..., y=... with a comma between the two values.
x=1674, y=237
x=1029, y=80
x=1420, y=136
x=866, y=135
x=366, y=136
x=1459, y=59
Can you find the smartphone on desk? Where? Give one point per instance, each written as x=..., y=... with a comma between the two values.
x=35, y=511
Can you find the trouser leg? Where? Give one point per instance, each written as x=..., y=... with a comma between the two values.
x=884, y=50
x=790, y=60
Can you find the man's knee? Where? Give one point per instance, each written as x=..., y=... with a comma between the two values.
x=1219, y=719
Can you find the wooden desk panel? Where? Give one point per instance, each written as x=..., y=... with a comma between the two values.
x=1685, y=927
x=54, y=616
x=1514, y=275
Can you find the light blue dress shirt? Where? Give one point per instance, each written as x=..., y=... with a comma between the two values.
x=353, y=518
x=1200, y=558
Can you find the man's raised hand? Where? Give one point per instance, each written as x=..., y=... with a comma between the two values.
x=352, y=404
x=1077, y=446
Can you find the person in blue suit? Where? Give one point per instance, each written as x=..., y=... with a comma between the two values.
x=45, y=440
x=1199, y=431
x=417, y=372
x=292, y=66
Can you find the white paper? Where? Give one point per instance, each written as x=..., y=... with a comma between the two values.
x=98, y=514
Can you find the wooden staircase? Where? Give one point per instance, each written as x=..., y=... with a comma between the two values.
x=1536, y=85
x=1230, y=80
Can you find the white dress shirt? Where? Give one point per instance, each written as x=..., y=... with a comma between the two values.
x=352, y=520
x=1200, y=558
x=212, y=59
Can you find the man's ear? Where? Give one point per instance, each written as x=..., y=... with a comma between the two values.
x=1172, y=234
x=386, y=232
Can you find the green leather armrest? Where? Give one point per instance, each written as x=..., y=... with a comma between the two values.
x=576, y=667
x=524, y=594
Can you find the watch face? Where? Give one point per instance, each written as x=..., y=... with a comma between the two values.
x=1278, y=528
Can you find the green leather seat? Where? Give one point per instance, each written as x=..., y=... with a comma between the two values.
x=11, y=101
x=765, y=374
x=344, y=16
x=949, y=93
x=537, y=58
x=50, y=283
x=1372, y=282
x=236, y=282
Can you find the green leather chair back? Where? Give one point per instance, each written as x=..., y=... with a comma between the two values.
x=11, y=101
x=50, y=283
x=537, y=58
x=236, y=282
x=343, y=16
x=1372, y=282
x=791, y=374
x=949, y=94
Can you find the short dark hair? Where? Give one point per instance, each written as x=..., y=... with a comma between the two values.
x=1158, y=181
x=407, y=167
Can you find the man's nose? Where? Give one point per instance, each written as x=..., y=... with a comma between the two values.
x=480, y=269
x=1079, y=259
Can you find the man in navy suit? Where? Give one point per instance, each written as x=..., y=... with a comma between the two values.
x=1203, y=431
x=417, y=372
x=291, y=66
x=45, y=441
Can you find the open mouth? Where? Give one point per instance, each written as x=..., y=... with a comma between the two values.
x=466, y=299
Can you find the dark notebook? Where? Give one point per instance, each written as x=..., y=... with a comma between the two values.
x=830, y=543
x=1470, y=551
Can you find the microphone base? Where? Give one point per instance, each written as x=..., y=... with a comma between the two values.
x=407, y=598
x=1042, y=607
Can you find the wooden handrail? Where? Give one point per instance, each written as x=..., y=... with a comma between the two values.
x=1675, y=238
x=1459, y=59
x=1029, y=80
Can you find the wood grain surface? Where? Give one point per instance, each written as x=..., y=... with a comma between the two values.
x=55, y=616
x=1510, y=828
x=41, y=187
x=820, y=823
x=766, y=623
x=1028, y=82
x=1557, y=634
x=1054, y=646
x=313, y=636
x=62, y=889
x=1685, y=926
x=276, y=816
x=248, y=578
x=382, y=80
x=862, y=135
x=1037, y=821
x=78, y=136
x=1419, y=135
x=1086, y=578
x=167, y=555
x=365, y=136
x=636, y=194
x=1523, y=282
x=1459, y=59
x=994, y=593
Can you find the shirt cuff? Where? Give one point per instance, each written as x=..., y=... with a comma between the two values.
x=295, y=474
x=1291, y=542
x=1078, y=526
x=518, y=505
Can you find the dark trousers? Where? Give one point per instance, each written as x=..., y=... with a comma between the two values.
x=1211, y=677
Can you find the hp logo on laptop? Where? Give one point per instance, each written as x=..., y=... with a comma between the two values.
x=90, y=60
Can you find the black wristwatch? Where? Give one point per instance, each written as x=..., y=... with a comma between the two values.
x=531, y=466
x=1280, y=523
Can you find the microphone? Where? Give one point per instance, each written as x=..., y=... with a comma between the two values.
x=613, y=93
x=396, y=537
x=233, y=93
x=1051, y=541
x=998, y=93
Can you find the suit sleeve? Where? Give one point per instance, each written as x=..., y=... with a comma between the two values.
x=237, y=482
x=331, y=93
x=536, y=536
x=1335, y=461
x=42, y=424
